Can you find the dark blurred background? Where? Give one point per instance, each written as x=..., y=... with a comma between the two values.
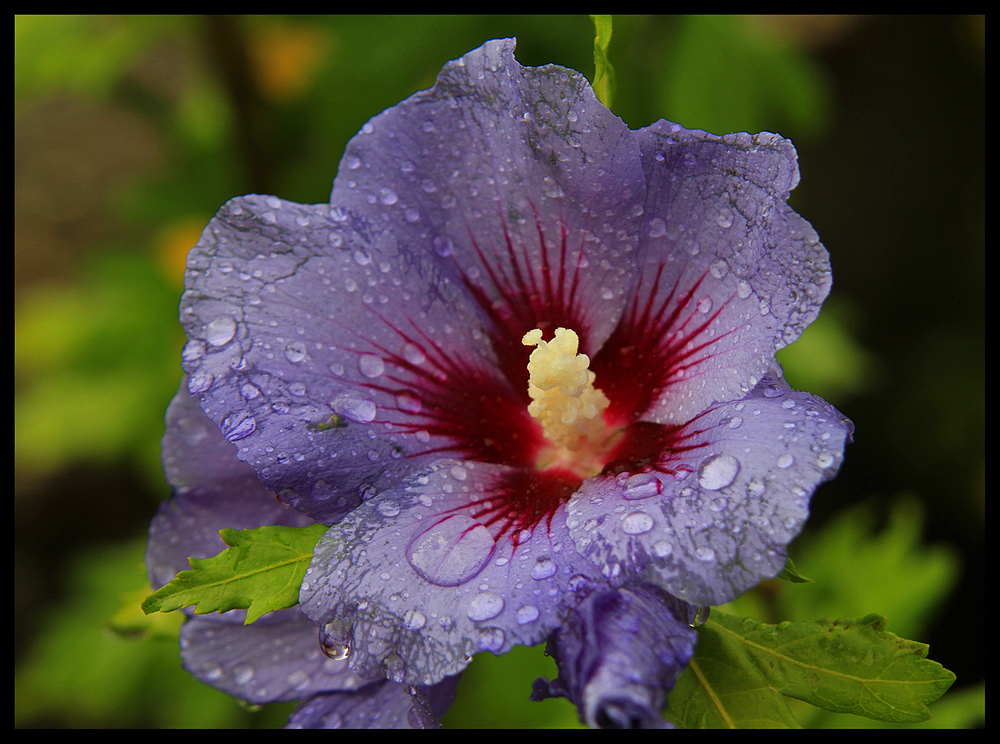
x=130, y=132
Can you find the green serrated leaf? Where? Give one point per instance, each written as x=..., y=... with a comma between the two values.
x=260, y=572
x=721, y=689
x=845, y=666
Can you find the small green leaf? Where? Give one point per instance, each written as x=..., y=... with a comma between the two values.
x=260, y=572
x=604, y=73
x=791, y=573
x=845, y=666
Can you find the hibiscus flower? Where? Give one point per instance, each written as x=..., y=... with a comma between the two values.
x=523, y=365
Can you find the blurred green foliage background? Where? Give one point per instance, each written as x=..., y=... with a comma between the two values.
x=130, y=132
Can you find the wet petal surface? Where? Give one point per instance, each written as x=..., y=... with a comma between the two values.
x=719, y=521
x=410, y=586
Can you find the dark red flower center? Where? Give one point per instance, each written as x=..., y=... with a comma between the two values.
x=479, y=409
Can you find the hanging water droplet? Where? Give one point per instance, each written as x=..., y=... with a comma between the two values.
x=452, y=551
x=490, y=639
x=333, y=639
x=718, y=471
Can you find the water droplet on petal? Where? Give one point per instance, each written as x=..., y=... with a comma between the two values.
x=360, y=410
x=295, y=352
x=656, y=227
x=637, y=523
x=414, y=620
x=442, y=245
x=484, y=606
x=526, y=614
x=452, y=551
x=370, y=365
x=238, y=426
x=785, y=460
x=641, y=486
x=413, y=354
x=543, y=569
x=220, y=331
x=408, y=402
x=200, y=382
x=705, y=553
x=718, y=471
x=243, y=673
x=662, y=548
x=490, y=639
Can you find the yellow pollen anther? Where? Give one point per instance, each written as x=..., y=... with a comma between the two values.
x=563, y=397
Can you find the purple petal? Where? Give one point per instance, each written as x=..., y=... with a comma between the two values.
x=213, y=491
x=378, y=705
x=738, y=495
x=619, y=653
x=276, y=658
x=318, y=333
x=279, y=656
x=503, y=169
x=411, y=586
x=729, y=273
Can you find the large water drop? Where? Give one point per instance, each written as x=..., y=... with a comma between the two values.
x=452, y=551
x=718, y=471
